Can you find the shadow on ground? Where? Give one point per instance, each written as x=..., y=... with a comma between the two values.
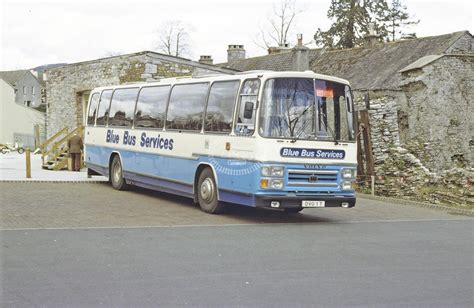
x=244, y=214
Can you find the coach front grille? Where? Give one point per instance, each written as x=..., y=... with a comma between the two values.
x=320, y=178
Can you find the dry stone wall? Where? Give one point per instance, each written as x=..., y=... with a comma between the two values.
x=384, y=129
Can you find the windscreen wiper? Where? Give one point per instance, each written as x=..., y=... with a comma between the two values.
x=328, y=127
x=304, y=126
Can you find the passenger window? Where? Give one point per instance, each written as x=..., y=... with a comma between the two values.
x=103, y=110
x=245, y=125
x=151, y=107
x=220, y=106
x=186, y=106
x=122, y=107
x=92, y=109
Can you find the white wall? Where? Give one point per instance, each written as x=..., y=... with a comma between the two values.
x=15, y=118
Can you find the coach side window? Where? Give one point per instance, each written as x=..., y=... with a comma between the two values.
x=186, y=106
x=122, y=107
x=220, y=106
x=92, y=109
x=245, y=125
x=151, y=107
x=103, y=110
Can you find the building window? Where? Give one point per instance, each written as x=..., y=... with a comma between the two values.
x=24, y=89
x=27, y=103
x=33, y=90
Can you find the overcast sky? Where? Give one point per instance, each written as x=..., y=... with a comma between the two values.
x=36, y=32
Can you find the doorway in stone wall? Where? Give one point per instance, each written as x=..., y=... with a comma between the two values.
x=82, y=98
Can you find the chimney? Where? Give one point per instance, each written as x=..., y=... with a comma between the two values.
x=299, y=56
x=206, y=60
x=235, y=52
x=281, y=48
x=371, y=38
x=299, y=36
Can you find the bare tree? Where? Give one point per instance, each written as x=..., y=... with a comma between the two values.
x=173, y=39
x=279, y=25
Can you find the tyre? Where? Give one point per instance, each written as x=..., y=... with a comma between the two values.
x=293, y=210
x=4, y=151
x=207, y=193
x=116, y=174
x=21, y=150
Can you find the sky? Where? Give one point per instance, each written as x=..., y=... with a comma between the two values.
x=37, y=32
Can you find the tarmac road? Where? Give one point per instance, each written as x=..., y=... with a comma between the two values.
x=88, y=245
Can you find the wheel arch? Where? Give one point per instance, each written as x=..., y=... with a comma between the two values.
x=199, y=169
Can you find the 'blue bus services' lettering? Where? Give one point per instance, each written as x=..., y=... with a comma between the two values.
x=157, y=142
x=312, y=153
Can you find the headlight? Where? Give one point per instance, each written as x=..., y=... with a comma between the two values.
x=271, y=183
x=276, y=184
x=346, y=185
x=272, y=171
x=348, y=173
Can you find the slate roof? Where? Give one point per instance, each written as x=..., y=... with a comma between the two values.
x=372, y=68
x=421, y=62
x=11, y=77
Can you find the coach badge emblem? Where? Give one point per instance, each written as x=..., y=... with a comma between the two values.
x=313, y=178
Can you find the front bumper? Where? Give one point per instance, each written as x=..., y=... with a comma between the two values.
x=296, y=201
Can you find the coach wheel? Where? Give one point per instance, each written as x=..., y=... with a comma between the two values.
x=293, y=210
x=21, y=150
x=116, y=174
x=4, y=151
x=207, y=193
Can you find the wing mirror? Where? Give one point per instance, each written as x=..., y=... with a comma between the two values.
x=248, y=110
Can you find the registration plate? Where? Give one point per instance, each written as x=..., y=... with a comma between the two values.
x=312, y=203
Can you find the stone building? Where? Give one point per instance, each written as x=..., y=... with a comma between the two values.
x=68, y=86
x=419, y=93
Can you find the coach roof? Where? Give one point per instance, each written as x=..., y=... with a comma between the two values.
x=239, y=76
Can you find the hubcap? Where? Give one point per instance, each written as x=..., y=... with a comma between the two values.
x=207, y=190
x=117, y=172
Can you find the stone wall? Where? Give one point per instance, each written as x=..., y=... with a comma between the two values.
x=383, y=119
x=422, y=136
x=65, y=82
x=66, y=85
x=440, y=113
